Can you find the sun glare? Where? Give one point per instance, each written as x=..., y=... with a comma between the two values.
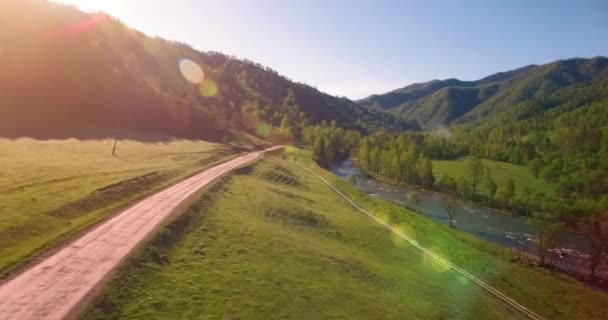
x=107, y=6
x=191, y=71
x=208, y=88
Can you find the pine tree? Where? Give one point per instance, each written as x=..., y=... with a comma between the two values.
x=475, y=173
x=490, y=184
x=511, y=188
x=426, y=172
x=319, y=152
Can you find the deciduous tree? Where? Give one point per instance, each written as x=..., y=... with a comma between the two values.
x=474, y=173
x=450, y=204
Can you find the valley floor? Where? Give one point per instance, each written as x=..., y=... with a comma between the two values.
x=501, y=173
x=273, y=241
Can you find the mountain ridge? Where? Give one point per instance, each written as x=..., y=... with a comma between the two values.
x=453, y=101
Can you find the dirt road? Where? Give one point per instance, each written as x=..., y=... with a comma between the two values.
x=54, y=288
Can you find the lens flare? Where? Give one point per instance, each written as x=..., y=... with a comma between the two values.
x=81, y=26
x=439, y=265
x=398, y=241
x=191, y=71
x=383, y=217
x=405, y=230
x=208, y=88
x=262, y=129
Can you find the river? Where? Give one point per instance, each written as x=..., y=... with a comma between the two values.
x=491, y=225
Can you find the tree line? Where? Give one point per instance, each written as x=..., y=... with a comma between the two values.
x=395, y=158
x=403, y=158
x=330, y=143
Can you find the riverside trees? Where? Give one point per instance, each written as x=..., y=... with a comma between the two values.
x=396, y=158
x=475, y=172
x=329, y=143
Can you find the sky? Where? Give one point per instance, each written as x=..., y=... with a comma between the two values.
x=360, y=47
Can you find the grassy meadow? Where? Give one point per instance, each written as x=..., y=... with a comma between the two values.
x=272, y=241
x=52, y=188
x=500, y=171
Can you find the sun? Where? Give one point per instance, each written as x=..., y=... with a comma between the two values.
x=107, y=6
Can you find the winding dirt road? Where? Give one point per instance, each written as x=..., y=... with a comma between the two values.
x=55, y=287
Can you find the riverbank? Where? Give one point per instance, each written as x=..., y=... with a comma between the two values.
x=497, y=227
x=442, y=193
x=568, y=261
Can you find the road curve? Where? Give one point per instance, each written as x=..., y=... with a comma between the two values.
x=54, y=288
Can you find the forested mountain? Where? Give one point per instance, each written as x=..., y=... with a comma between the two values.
x=410, y=94
x=63, y=68
x=452, y=101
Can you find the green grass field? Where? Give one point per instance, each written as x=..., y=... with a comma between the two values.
x=272, y=241
x=51, y=188
x=500, y=171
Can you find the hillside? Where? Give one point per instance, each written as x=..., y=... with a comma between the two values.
x=65, y=70
x=452, y=101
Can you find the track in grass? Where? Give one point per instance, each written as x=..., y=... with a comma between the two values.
x=529, y=313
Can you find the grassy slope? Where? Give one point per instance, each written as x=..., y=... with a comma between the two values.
x=43, y=200
x=501, y=172
x=277, y=243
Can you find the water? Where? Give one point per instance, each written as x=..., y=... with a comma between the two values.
x=500, y=228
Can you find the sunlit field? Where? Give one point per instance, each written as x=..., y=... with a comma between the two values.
x=272, y=241
x=49, y=189
x=501, y=173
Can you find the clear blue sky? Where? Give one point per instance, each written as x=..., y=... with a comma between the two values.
x=356, y=48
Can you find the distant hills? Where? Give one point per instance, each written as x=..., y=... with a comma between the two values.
x=63, y=68
x=452, y=101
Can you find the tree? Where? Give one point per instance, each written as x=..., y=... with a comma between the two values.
x=447, y=182
x=413, y=198
x=595, y=227
x=114, y=148
x=285, y=124
x=425, y=172
x=319, y=152
x=464, y=188
x=352, y=179
x=525, y=199
x=475, y=173
x=536, y=166
x=548, y=229
x=450, y=204
x=490, y=184
x=511, y=188
x=329, y=154
x=503, y=197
